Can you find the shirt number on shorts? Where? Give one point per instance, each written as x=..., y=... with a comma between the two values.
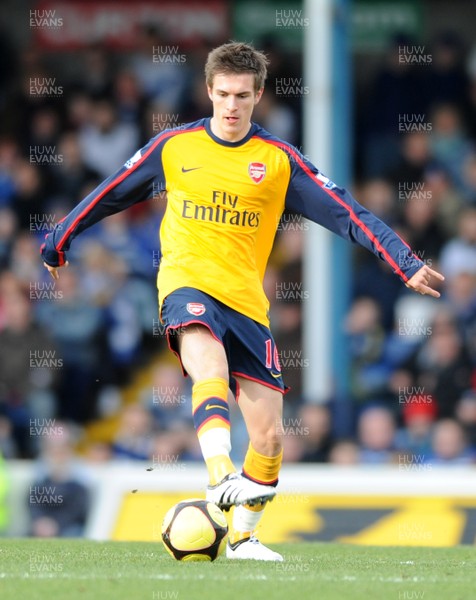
x=272, y=356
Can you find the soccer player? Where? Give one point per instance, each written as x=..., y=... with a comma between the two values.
x=228, y=182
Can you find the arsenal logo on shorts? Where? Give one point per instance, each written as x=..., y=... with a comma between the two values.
x=196, y=308
x=257, y=171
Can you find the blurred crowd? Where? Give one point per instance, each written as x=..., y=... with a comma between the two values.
x=69, y=348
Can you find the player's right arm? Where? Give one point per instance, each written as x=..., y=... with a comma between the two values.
x=139, y=179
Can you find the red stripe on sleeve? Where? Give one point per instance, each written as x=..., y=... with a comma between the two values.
x=353, y=216
x=116, y=181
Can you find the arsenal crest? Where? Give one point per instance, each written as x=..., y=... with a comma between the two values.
x=196, y=308
x=257, y=171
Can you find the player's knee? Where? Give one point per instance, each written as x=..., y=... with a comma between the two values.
x=268, y=440
x=208, y=369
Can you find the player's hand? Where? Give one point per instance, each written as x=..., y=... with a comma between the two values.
x=420, y=282
x=53, y=271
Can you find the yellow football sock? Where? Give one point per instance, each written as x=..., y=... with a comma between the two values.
x=212, y=423
x=261, y=468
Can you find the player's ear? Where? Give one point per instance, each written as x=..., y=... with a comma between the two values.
x=209, y=90
x=258, y=95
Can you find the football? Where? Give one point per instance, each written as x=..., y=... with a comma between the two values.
x=194, y=530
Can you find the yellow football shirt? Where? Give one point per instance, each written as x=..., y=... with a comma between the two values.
x=224, y=203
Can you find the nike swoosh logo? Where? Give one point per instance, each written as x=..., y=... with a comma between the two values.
x=210, y=406
x=184, y=170
x=276, y=375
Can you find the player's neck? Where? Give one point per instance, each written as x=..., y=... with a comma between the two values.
x=226, y=136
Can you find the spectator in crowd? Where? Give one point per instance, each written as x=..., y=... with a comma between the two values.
x=76, y=326
x=449, y=445
x=8, y=447
x=419, y=414
x=276, y=117
x=466, y=416
x=366, y=339
x=169, y=449
x=293, y=448
x=127, y=304
x=29, y=194
x=394, y=92
x=71, y=174
x=59, y=497
x=344, y=453
x=134, y=439
x=96, y=71
x=158, y=66
x=468, y=176
x=459, y=254
x=27, y=375
x=449, y=142
x=422, y=229
x=8, y=225
x=3, y=496
x=128, y=98
x=376, y=429
x=9, y=156
x=415, y=160
x=287, y=293
x=105, y=142
x=448, y=199
x=313, y=424
x=447, y=81
x=441, y=366
x=170, y=399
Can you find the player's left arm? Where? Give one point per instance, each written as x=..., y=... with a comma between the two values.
x=314, y=196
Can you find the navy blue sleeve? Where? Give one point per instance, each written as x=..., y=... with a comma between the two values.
x=314, y=196
x=141, y=178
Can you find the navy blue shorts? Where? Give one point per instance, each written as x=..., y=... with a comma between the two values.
x=249, y=346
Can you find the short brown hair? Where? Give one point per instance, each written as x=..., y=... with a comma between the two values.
x=236, y=57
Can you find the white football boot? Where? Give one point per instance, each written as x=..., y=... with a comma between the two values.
x=235, y=489
x=252, y=549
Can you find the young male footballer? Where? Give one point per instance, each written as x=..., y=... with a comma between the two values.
x=228, y=182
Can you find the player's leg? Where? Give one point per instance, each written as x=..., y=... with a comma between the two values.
x=196, y=327
x=262, y=408
x=204, y=359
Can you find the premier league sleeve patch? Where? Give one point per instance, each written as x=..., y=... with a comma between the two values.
x=196, y=308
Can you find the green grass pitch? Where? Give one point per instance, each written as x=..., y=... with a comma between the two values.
x=79, y=569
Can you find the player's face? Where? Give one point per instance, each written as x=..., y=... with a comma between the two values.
x=234, y=98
